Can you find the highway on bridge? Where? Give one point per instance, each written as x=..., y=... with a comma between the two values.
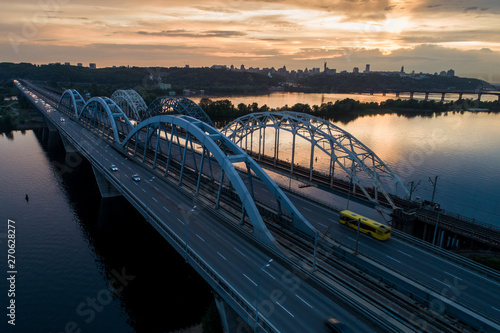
x=291, y=304
x=450, y=280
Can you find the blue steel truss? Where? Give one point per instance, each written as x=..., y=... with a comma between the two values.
x=178, y=144
x=131, y=103
x=180, y=105
x=103, y=116
x=361, y=165
x=71, y=103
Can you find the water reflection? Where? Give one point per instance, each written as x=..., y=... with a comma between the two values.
x=163, y=292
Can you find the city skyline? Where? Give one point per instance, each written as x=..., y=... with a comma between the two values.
x=425, y=36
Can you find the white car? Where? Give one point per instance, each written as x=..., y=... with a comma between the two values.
x=62, y=119
x=114, y=167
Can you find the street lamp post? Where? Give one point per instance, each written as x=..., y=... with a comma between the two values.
x=258, y=291
x=186, y=224
x=315, y=250
x=436, y=228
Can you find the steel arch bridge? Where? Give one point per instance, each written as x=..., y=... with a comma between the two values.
x=358, y=163
x=204, y=161
x=131, y=103
x=181, y=105
x=71, y=103
x=104, y=117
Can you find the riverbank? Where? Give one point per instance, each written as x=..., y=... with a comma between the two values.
x=14, y=116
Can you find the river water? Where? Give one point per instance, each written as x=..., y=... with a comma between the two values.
x=73, y=248
x=280, y=99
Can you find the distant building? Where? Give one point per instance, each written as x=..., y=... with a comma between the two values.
x=442, y=73
x=79, y=64
x=402, y=69
x=92, y=65
x=367, y=69
x=450, y=73
x=164, y=86
x=355, y=70
x=67, y=64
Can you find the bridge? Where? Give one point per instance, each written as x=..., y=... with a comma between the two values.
x=279, y=262
x=411, y=93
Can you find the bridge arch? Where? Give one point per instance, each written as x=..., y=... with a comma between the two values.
x=180, y=145
x=357, y=162
x=181, y=105
x=71, y=103
x=104, y=116
x=131, y=103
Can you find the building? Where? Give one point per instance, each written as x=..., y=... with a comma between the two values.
x=367, y=69
x=164, y=86
x=355, y=70
x=79, y=64
x=92, y=65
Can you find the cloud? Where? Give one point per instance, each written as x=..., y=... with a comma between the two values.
x=192, y=34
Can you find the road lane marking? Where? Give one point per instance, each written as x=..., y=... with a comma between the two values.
x=166, y=209
x=216, y=234
x=456, y=277
x=221, y=255
x=285, y=309
x=239, y=252
x=307, y=209
x=154, y=199
x=406, y=254
x=440, y=282
x=495, y=308
x=250, y=279
x=144, y=191
x=309, y=305
x=270, y=275
x=331, y=220
x=180, y=221
x=392, y=258
x=156, y=188
x=200, y=238
x=323, y=225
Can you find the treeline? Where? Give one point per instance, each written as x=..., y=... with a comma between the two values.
x=147, y=79
x=349, y=82
x=346, y=108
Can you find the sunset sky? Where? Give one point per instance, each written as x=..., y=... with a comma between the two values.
x=421, y=35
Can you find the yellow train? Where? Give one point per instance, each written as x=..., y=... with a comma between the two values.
x=367, y=226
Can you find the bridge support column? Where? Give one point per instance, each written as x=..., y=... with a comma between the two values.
x=105, y=187
x=426, y=96
x=460, y=95
x=479, y=97
x=411, y=94
x=68, y=146
x=397, y=94
x=50, y=125
x=442, y=97
x=230, y=320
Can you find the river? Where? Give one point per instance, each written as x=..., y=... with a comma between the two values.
x=71, y=245
x=280, y=99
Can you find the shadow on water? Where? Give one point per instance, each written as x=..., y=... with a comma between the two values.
x=164, y=293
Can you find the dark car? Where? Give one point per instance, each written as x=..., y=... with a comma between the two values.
x=336, y=326
x=136, y=178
